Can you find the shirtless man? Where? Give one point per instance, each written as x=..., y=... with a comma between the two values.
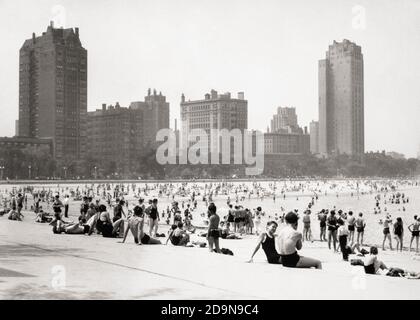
x=414, y=228
x=387, y=233
x=134, y=223
x=360, y=228
x=289, y=241
x=307, y=233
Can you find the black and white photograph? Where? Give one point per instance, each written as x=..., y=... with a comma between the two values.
x=236, y=151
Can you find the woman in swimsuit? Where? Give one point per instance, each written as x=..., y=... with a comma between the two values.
x=267, y=242
x=415, y=232
x=387, y=232
x=290, y=240
x=399, y=233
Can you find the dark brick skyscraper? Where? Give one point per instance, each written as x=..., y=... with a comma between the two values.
x=53, y=91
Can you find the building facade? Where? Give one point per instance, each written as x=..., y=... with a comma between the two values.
x=115, y=138
x=341, y=100
x=216, y=111
x=286, y=143
x=155, y=112
x=284, y=120
x=53, y=91
x=314, y=136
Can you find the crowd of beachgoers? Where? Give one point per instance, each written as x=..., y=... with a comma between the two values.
x=115, y=210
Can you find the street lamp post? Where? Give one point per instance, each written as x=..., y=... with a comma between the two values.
x=29, y=169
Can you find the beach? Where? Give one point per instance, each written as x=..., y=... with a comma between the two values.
x=37, y=264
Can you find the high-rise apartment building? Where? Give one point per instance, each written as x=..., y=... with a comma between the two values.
x=53, y=91
x=341, y=100
x=314, y=136
x=155, y=111
x=115, y=138
x=216, y=111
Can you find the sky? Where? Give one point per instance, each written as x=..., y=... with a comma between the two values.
x=269, y=49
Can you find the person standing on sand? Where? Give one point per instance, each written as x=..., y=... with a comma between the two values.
x=66, y=206
x=322, y=217
x=213, y=233
x=399, y=233
x=360, y=228
x=350, y=224
x=415, y=233
x=332, y=230
x=387, y=233
x=289, y=241
x=307, y=233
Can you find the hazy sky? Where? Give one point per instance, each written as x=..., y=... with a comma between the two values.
x=267, y=48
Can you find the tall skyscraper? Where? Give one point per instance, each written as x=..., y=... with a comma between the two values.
x=314, y=136
x=155, y=115
x=53, y=91
x=284, y=120
x=341, y=100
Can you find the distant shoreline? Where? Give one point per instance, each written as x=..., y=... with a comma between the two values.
x=99, y=181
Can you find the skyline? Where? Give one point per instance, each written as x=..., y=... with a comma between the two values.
x=119, y=68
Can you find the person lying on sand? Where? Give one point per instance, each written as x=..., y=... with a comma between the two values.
x=15, y=215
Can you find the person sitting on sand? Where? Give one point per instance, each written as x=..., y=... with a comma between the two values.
x=178, y=236
x=43, y=217
x=15, y=215
x=373, y=265
x=266, y=240
x=289, y=241
x=105, y=225
x=225, y=232
x=134, y=223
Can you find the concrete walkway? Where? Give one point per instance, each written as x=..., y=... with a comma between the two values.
x=36, y=264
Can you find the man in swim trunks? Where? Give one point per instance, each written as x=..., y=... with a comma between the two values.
x=360, y=228
x=267, y=241
x=387, y=233
x=307, y=233
x=414, y=228
x=322, y=217
x=289, y=241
